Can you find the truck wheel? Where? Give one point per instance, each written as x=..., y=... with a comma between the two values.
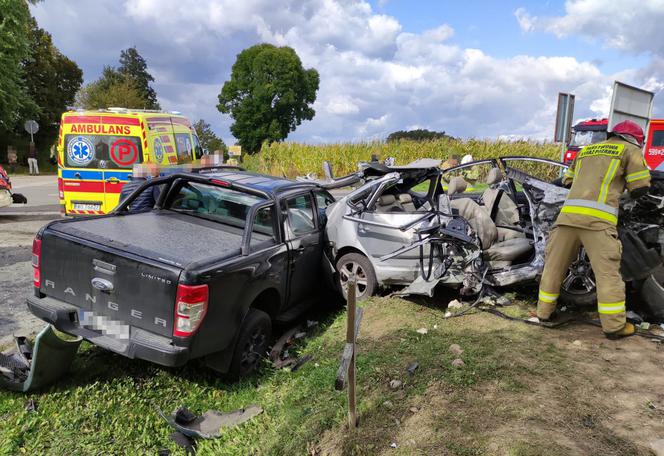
x=578, y=288
x=252, y=344
x=358, y=264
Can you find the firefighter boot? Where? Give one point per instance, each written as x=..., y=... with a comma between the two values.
x=628, y=330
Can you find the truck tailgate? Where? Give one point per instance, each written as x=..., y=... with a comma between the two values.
x=113, y=286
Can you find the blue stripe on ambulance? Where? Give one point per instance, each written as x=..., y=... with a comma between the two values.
x=95, y=175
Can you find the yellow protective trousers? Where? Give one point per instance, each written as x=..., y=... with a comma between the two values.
x=604, y=250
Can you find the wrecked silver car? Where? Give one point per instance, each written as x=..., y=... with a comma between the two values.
x=479, y=224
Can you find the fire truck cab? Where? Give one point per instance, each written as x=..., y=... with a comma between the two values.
x=584, y=133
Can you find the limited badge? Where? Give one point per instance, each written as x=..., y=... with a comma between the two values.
x=158, y=150
x=81, y=151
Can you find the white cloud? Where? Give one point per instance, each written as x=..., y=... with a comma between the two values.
x=375, y=78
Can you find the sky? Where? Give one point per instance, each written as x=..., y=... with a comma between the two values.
x=483, y=69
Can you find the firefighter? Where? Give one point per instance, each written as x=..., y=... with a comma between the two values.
x=598, y=176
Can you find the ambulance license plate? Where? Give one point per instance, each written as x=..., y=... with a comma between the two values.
x=87, y=206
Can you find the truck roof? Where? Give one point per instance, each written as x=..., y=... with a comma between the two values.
x=264, y=183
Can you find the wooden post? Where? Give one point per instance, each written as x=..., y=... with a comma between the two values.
x=350, y=339
x=346, y=372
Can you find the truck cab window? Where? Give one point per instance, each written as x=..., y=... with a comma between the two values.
x=300, y=210
x=263, y=229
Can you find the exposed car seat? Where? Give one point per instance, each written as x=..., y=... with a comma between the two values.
x=494, y=249
x=388, y=203
x=457, y=185
x=500, y=207
x=406, y=201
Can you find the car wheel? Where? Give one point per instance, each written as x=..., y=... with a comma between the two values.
x=358, y=264
x=578, y=288
x=252, y=344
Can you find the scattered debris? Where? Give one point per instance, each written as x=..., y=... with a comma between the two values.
x=210, y=424
x=447, y=314
x=31, y=406
x=458, y=363
x=300, y=362
x=388, y=404
x=435, y=326
x=588, y=421
x=454, y=304
x=633, y=316
x=577, y=342
x=657, y=447
x=412, y=367
x=414, y=410
x=533, y=320
x=422, y=331
x=184, y=442
x=300, y=335
x=455, y=349
x=393, y=445
x=395, y=384
x=644, y=326
x=28, y=368
x=311, y=323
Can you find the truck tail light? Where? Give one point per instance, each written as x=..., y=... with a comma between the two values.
x=36, y=262
x=191, y=305
x=61, y=189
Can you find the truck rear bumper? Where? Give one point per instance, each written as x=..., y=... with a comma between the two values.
x=141, y=344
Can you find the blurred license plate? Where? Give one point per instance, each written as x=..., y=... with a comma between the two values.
x=87, y=206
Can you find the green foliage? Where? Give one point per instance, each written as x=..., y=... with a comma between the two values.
x=127, y=86
x=52, y=79
x=14, y=50
x=209, y=140
x=134, y=65
x=112, y=89
x=416, y=135
x=294, y=159
x=268, y=96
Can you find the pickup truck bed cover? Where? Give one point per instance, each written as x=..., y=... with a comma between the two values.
x=166, y=236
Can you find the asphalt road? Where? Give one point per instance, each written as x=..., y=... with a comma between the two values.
x=42, y=194
x=18, y=225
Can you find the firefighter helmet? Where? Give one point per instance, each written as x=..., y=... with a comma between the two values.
x=629, y=128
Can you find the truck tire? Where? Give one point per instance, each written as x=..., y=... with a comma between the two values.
x=578, y=288
x=363, y=269
x=252, y=344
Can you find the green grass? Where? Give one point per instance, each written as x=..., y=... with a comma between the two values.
x=108, y=404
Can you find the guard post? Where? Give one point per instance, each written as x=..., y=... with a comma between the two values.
x=346, y=372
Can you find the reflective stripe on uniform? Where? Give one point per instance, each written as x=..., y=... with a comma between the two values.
x=592, y=209
x=606, y=182
x=637, y=176
x=611, y=308
x=548, y=297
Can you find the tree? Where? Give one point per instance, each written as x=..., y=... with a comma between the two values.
x=268, y=96
x=14, y=50
x=111, y=89
x=51, y=78
x=416, y=135
x=134, y=65
x=209, y=140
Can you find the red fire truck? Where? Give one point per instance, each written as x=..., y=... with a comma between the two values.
x=594, y=131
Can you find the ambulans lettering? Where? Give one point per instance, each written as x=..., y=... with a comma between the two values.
x=102, y=129
x=609, y=150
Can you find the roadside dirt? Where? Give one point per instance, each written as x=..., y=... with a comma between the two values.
x=16, y=235
x=604, y=397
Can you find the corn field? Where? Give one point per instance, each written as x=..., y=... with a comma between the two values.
x=290, y=159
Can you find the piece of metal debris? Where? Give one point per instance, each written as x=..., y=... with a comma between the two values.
x=30, y=367
x=422, y=331
x=184, y=442
x=210, y=424
x=412, y=367
x=31, y=406
x=454, y=304
x=300, y=362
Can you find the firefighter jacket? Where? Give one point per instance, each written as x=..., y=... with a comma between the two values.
x=600, y=173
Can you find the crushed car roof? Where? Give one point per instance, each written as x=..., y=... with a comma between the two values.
x=260, y=182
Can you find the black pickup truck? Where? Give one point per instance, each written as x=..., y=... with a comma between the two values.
x=204, y=274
